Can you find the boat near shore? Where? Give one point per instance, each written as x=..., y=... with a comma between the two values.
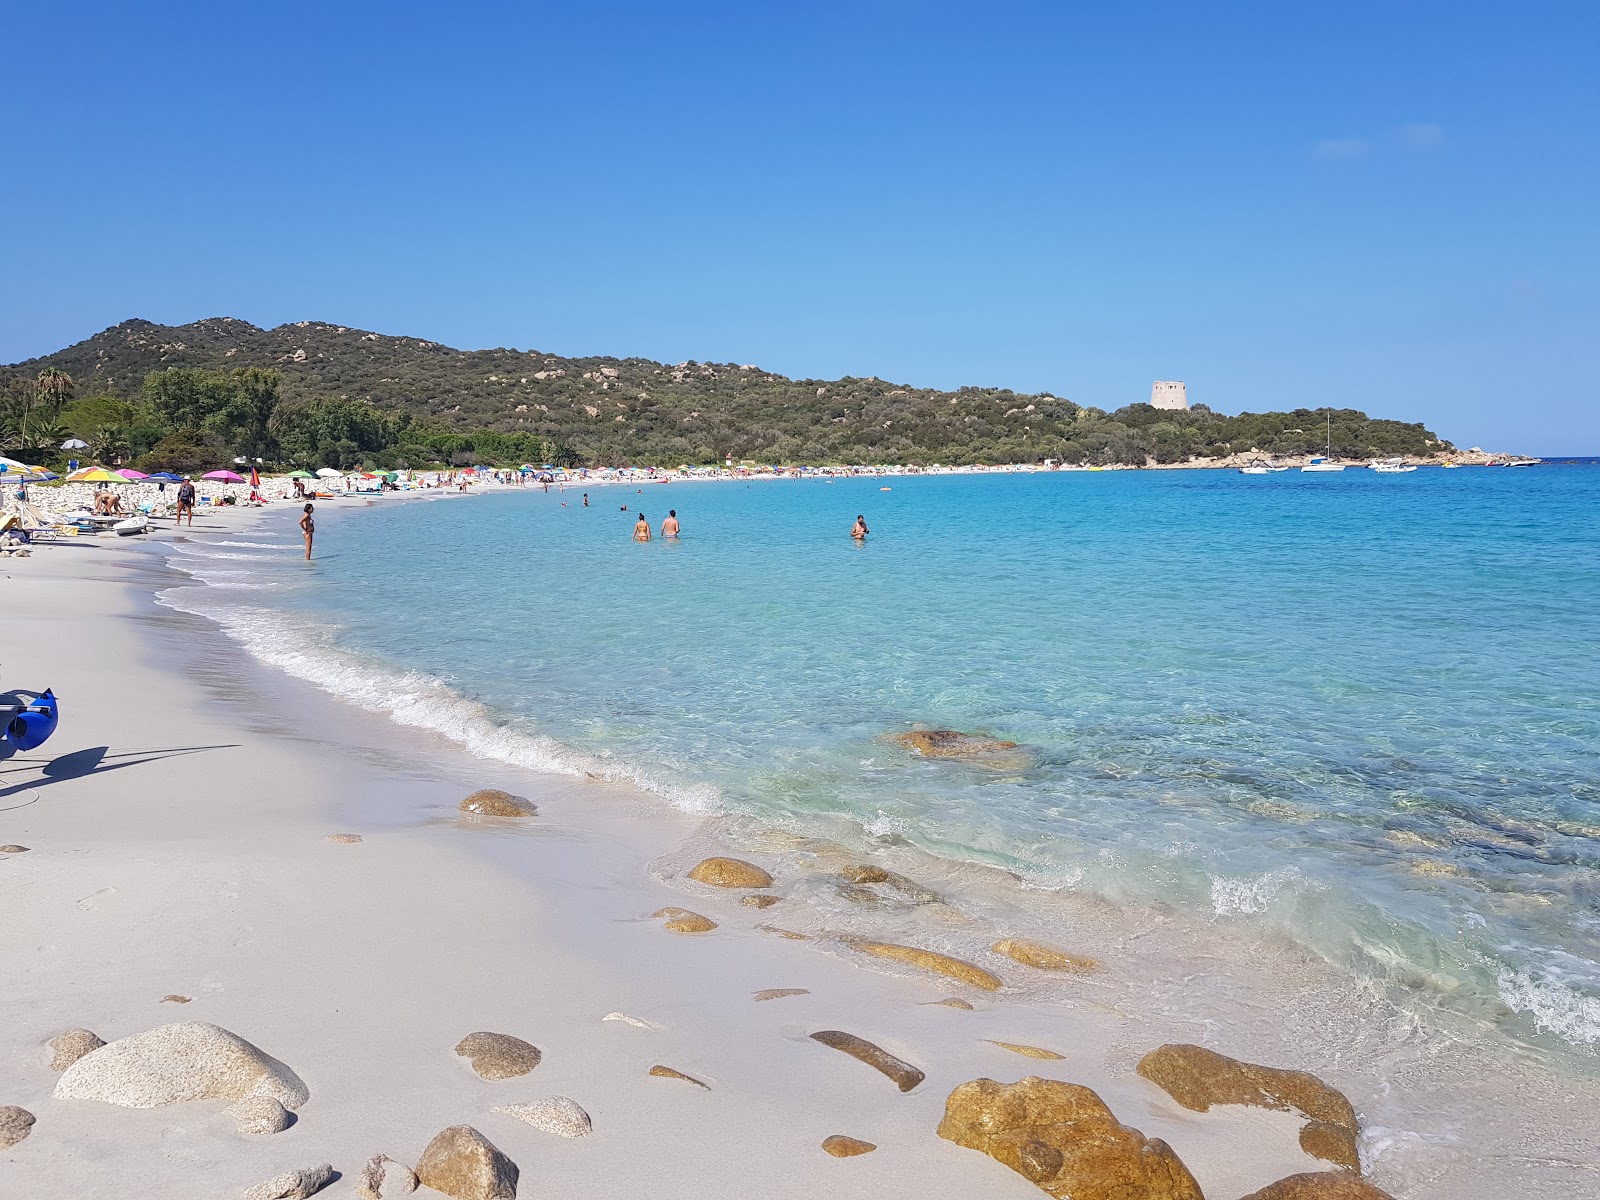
x=1391, y=466
x=1323, y=464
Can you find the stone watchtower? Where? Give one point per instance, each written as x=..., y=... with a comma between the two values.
x=1168, y=395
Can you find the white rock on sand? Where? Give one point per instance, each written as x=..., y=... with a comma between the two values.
x=293, y=1185
x=554, y=1114
x=383, y=1179
x=260, y=1115
x=191, y=1060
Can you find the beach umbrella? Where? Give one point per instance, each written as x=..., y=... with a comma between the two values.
x=327, y=473
x=96, y=475
x=74, y=444
x=223, y=476
x=301, y=475
x=130, y=473
x=165, y=477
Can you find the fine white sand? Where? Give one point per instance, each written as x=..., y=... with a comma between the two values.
x=178, y=827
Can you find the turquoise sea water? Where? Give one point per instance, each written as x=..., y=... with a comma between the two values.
x=1361, y=710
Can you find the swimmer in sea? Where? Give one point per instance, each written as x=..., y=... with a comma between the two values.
x=641, y=530
x=669, y=527
x=859, y=529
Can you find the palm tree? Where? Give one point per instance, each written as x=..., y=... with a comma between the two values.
x=55, y=388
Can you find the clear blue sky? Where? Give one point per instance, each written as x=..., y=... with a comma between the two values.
x=1392, y=206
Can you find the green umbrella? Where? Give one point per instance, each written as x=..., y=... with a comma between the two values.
x=301, y=475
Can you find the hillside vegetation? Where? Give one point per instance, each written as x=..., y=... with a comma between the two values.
x=313, y=394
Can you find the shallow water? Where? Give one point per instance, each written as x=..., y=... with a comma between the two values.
x=1358, y=710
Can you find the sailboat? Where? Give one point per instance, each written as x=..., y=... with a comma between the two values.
x=1321, y=462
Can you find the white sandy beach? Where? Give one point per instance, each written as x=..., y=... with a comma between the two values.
x=177, y=829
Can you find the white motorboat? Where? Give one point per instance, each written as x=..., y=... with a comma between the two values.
x=1322, y=464
x=1392, y=466
x=1257, y=467
x=132, y=525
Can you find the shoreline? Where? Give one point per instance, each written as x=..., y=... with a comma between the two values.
x=597, y=860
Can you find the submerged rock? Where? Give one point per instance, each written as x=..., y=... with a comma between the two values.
x=15, y=1124
x=681, y=920
x=498, y=1055
x=188, y=1061
x=904, y=1075
x=867, y=873
x=951, y=743
x=1026, y=1051
x=930, y=960
x=554, y=1114
x=730, y=873
x=68, y=1046
x=785, y=933
x=1320, y=1185
x=492, y=802
x=1197, y=1078
x=841, y=1146
x=1063, y=1138
x=780, y=993
x=858, y=894
x=952, y=1002
x=755, y=900
x=293, y=1185
x=661, y=1072
x=1043, y=957
x=383, y=1179
x=465, y=1165
x=260, y=1115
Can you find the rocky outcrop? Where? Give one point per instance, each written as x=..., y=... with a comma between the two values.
x=1043, y=957
x=260, y=1115
x=384, y=1179
x=498, y=1055
x=1026, y=1051
x=465, y=1165
x=930, y=960
x=730, y=873
x=293, y=1185
x=492, y=802
x=554, y=1114
x=15, y=1124
x=904, y=1075
x=661, y=1072
x=780, y=993
x=950, y=743
x=681, y=920
x=188, y=1061
x=68, y=1046
x=1320, y=1185
x=1197, y=1078
x=841, y=1146
x=1063, y=1138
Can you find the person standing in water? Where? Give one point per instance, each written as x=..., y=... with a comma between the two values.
x=586, y=499
x=859, y=529
x=669, y=527
x=309, y=528
x=641, y=530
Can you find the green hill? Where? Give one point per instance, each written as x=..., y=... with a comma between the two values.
x=432, y=401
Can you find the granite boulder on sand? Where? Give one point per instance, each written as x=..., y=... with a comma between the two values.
x=1197, y=1078
x=191, y=1060
x=68, y=1046
x=1320, y=1185
x=681, y=920
x=1064, y=1139
x=384, y=1179
x=465, y=1165
x=730, y=873
x=841, y=1146
x=492, y=802
x=15, y=1124
x=260, y=1115
x=498, y=1055
x=293, y=1185
x=553, y=1114
x=904, y=1075
x=930, y=960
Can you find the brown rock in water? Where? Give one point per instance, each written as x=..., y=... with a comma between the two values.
x=758, y=901
x=13, y=848
x=1026, y=1051
x=951, y=743
x=1045, y=958
x=785, y=933
x=901, y=1072
x=1320, y=1185
x=465, y=1165
x=383, y=1179
x=1331, y=1143
x=492, y=802
x=846, y=1147
x=730, y=873
x=865, y=874
x=498, y=1055
x=15, y=1124
x=70, y=1045
x=858, y=894
x=780, y=993
x=661, y=1072
x=929, y=960
x=1063, y=1138
x=1197, y=1078
x=952, y=1002
x=293, y=1185
x=681, y=920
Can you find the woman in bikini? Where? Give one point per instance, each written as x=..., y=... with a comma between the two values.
x=309, y=528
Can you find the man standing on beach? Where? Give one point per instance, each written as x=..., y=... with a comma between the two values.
x=641, y=530
x=669, y=527
x=185, y=501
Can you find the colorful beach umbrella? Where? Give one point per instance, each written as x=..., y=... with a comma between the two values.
x=224, y=476
x=130, y=473
x=96, y=475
